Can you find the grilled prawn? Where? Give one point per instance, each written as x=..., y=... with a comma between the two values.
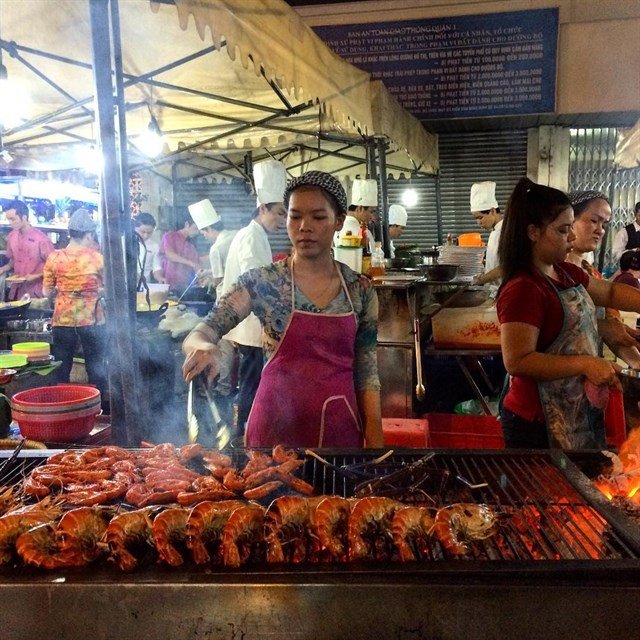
x=410, y=525
x=204, y=528
x=16, y=522
x=39, y=546
x=127, y=535
x=330, y=520
x=458, y=524
x=288, y=524
x=243, y=530
x=369, y=525
x=170, y=531
x=81, y=533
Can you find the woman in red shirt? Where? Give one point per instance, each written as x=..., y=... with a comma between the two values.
x=546, y=307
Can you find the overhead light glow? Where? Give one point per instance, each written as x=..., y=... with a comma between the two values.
x=14, y=101
x=91, y=160
x=150, y=142
x=410, y=198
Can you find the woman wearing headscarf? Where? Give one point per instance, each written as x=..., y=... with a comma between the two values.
x=558, y=384
x=592, y=213
x=319, y=387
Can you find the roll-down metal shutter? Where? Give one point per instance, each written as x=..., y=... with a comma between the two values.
x=422, y=223
x=465, y=158
x=234, y=204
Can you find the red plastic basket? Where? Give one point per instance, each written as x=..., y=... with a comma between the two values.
x=64, y=395
x=453, y=431
x=63, y=427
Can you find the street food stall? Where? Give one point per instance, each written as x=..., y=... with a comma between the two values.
x=182, y=542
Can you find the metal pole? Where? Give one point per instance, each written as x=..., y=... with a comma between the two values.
x=384, y=197
x=127, y=227
x=439, y=211
x=122, y=370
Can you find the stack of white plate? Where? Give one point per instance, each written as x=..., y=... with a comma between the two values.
x=469, y=259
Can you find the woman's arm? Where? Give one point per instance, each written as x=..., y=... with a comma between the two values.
x=520, y=357
x=199, y=346
x=369, y=406
x=614, y=294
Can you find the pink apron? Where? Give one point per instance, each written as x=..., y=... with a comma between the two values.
x=307, y=396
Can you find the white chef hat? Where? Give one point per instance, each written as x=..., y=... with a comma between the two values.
x=364, y=193
x=270, y=181
x=398, y=215
x=203, y=214
x=483, y=196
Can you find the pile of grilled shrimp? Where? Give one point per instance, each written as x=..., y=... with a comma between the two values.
x=176, y=519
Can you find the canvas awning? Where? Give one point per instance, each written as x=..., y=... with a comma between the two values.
x=220, y=76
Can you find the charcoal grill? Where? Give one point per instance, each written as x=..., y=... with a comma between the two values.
x=571, y=568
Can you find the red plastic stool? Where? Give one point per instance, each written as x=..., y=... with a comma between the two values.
x=614, y=422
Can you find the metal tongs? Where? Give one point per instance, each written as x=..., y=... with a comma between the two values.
x=9, y=461
x=223, y=434
x=356, y=471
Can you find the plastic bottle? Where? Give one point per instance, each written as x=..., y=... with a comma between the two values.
x=450, y=239
x=377, y=261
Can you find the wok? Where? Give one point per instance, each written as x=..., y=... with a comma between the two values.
x=151, y=316
x=439, y=272
x=13, y=310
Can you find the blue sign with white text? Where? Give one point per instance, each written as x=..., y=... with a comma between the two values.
x=467, y=66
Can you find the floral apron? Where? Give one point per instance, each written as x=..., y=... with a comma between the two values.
x=572, y=423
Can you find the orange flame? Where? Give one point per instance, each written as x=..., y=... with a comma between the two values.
x=627, y=483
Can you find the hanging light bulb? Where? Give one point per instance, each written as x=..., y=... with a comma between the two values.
x=91, y=159
x=14, y=101
x=150, y=142
x=410, y=198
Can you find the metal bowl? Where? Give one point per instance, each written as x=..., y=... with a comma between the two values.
x=6, y=375
x=439, y=272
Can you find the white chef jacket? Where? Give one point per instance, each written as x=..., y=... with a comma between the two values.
x=149, y=258
x=620, y=242
x=491, y=259
x=249, y=249
x=218, y=256
x=351, y=223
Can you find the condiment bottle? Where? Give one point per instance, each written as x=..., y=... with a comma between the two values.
x=377, y=261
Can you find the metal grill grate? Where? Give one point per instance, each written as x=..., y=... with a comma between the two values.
x=548, y=510
x=543, y=515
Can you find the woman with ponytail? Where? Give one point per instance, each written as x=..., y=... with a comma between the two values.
x=558, y=385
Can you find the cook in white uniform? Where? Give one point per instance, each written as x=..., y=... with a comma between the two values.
x=485, y=209
x=397, y=222
x=364, y=202
x=249, y=249
x=149, y=263
x=212, y=228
